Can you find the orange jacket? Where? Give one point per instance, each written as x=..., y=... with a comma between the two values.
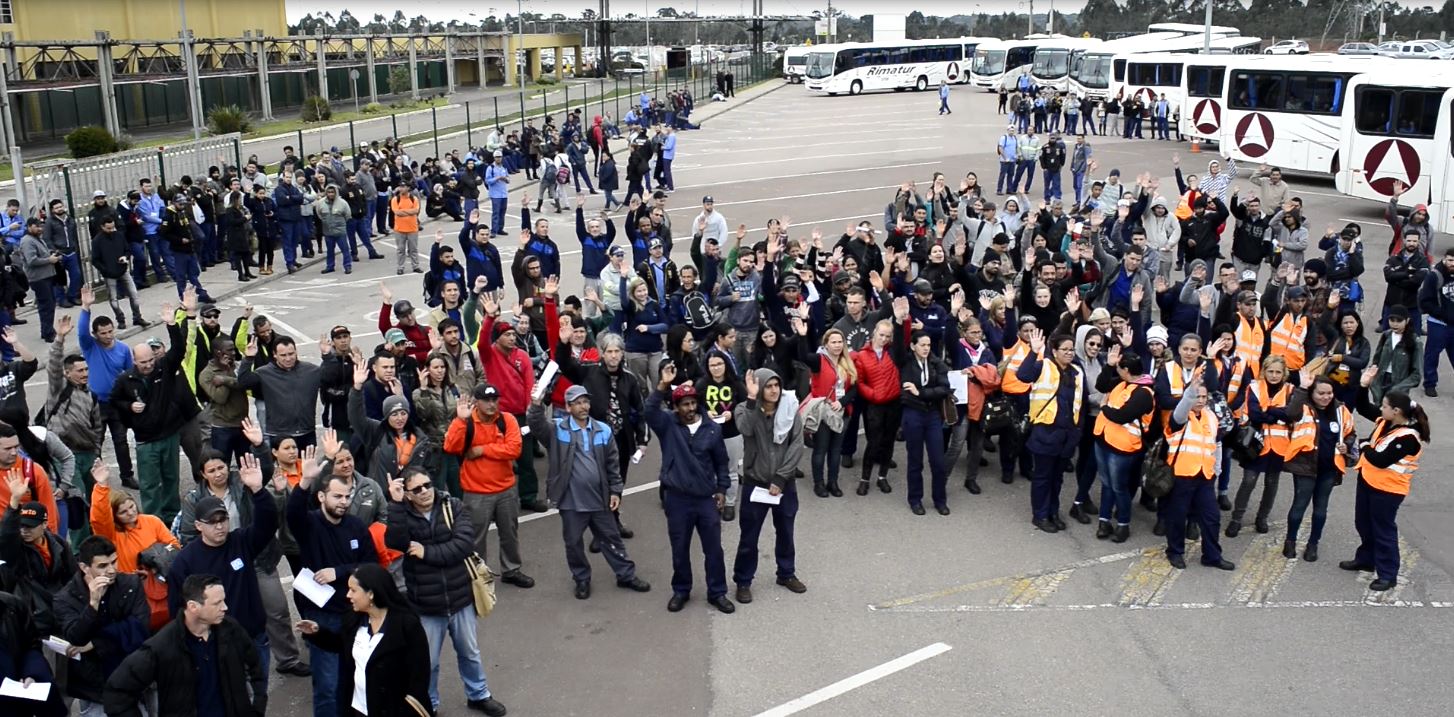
x=40, y=491
x=149, y=530
x=986, y=380
x=494, y=471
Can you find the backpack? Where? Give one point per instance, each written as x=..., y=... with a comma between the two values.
x=562, y=174
x=697, y=311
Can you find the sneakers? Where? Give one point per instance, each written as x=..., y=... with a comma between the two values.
x=792, y=583
x=488, y=705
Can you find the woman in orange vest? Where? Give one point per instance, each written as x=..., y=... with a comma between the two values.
x=1170, y=384
x=1323, y=441
x=1235, y=375
x=1191, y=451
x=1267, y=411
x=1386, y=466
x=1122, y=432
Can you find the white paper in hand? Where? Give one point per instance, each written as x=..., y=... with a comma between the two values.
x=37, y=691
x=637, y=456
x=542, y=384
x=310, y=588
x=58, y=646
x=763, y=495
x=960, y=383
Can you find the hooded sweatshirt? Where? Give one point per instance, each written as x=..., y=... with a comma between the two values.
x=1162, y=232
x=1092, y=369
x=772, y=445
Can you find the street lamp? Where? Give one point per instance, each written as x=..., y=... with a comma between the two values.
x=520, y=48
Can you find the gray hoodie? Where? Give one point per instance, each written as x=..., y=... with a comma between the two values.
x=1163, y=233
x=1092, y=369
x=773, y=445
x=742, y=314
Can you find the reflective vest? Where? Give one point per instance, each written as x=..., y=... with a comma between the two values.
x=1395, y=478
x=1124, y=437
x=1177, y=383
x=1192, y=451
x=1287, y=340
x=1010, y=383
x=1232, y=369
x=1305, y=434
x=1043, y=405
x=1276, y=437
x=1251, y=336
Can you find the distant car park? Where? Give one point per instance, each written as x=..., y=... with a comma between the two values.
x=1358, y=48
x=1288, y=47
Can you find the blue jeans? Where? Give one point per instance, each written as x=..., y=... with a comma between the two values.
x=752, y=516
x=666, y=179
x=1161, y=128
x=497, y=215
x=1116, y=470
x=1006, y=181
x=1315, y=490
x=685, y=515
x=579, y=172
x=340, y=243
x=1052, y=184
x=138, y=264
x=186, y=269
x=324, y=663
x=924, y=431
x=71, y=264
x=1027, y=170
x=358, y=233
x=1440, y=340
x=1070, y=123
x=45, y=305
x=292, y=235
x=1077, y=182
x=157, y=247
x=827, y=448
x=264, y=649
x=464, y=636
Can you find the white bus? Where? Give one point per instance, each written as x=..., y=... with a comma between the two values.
x=1053, y=59
x=1095, y=71
x=795, y=62
x=1149, y=75
x=855, y=67
x=1398, y=130
x=1282, y=110
x=1002, y=63
x=1184, y=28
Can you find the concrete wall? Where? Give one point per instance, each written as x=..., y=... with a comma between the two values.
x=143, y=19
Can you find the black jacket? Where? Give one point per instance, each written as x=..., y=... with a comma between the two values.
x=438, y=583
x=107, y=250
x=398, y=668
x=1404, y=274
x=597, y=380
x=164, y=413
x=117, y=629
x=20, y=646
x=166, y=661
x=1203, y=230
x=30, y=577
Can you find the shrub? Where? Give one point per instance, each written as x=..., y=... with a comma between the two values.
x=316, y=109
x=399, y=79
x=404, y=104
x=124, y=142
x=373, y=108
x=90, y=141
x=545, y=79
x=227, y=119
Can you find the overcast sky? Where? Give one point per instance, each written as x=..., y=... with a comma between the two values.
x=445, y=10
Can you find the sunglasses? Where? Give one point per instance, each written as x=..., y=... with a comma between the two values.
x=420, y=489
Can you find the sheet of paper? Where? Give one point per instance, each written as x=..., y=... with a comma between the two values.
x=58, y=646
x=304, y=583
x=762, y=495
x=960, y=383
x=638, y=455
x=37, y=691
x=547, y=375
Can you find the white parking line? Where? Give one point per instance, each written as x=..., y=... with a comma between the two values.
x=859, y=680
x=633, y=490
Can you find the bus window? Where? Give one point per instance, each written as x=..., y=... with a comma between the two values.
x=1120, y=70
x=1205, y=81
x=1168, y=74
x=1418, y=112
x=1020, y=56
x=1315, y=94
x=1374, y=107
x=1256, y=91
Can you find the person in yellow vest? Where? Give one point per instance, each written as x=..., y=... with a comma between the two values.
x=1323, y=441
x=1121, y=438
x=1250, y=332
x=1267, y=411
x=1191, y=451
x=1170, y=385
x=1386, y=465
x=1292, y=334
x=1236, y=376
x=1016, y=350
x=1058, y=397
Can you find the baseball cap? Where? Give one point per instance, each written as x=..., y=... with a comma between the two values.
x=486, y=392
x=708, y=200
x=1398, y=311
x=207, y=508
x=394, y=404
x=683, y=392
x=576, y=393
x=98, y=194
x=616, y=250
x=403, y=308
x=210, y=310
x=32, y=514
x=1297, y=292
x=654, y=244
x=339, y=331
x=1249, y=275
x=394, y=336
x=922, y=286
x=790, y=281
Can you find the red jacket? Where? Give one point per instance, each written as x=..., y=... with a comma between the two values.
x=418, y=336
x=512, y=375
x=878, y=377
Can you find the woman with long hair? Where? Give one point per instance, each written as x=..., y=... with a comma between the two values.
x=879, y=387
x=644, y=323
x=681, y=348
x=1323, y=440
x=834, y=379
x=1268, y=412
x=720, y=391
x=118, y=518
x=434, y=404
x=235, y=222
x=1386, y=467
x=1348, y=356
x=383, y=652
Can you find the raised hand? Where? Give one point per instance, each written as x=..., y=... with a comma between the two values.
x=189, y=300
x=668, y=375
x=524, y=237
x=741, y=232
x=252, y=432
x=552, y=286
x=100, y=473
x=396, y=490
x=749, y=381
x=88, y=297
x=251, y=472
x=1366, y=378
x=386, y=293
x=1037, y=341
x=311, y=466
x=464, y=407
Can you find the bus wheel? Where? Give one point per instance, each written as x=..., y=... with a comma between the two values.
x=922, y=84
x=856, y=87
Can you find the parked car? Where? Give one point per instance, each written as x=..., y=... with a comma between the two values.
x=1358, y=48
x=1424, y=50
x=1288, y=47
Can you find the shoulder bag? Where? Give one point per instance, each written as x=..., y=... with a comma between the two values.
x=1157, y=478
x=482, y=581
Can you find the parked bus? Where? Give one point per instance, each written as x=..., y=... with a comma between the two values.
x=795, y=62
x=1095, y=71
x=855, y=67
x=1398, y=130
x=1053, y=59
x=1002, y=63
x=1184, y=28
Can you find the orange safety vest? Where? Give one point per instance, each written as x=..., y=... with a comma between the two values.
x=1395, y=478
x=1251, y=336
x=1177, y=384
x=1287, y=340
x=1192, y=451
x=1305, y=434
x=1233, y=367
x=1276, y=438
x=1124, y=437
x=1010, y=383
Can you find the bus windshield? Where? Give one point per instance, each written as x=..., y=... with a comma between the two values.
x=1051, y=64
x=820, y=65
x=798, y=60
x=989, y=62
x=1094, y=71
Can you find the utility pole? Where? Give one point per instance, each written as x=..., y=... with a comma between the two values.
x=1380, y=23
x=1050, y=19
x=1031, y=31
x=194, y=83
x=1207, y=32
x=829, y=19
x=520, y=49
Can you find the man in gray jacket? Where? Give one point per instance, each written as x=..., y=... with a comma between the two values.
x=737, y=297
x=333, y=214
x=289, y=386
x=772, y=435
x=584, y=482
x=39, y=264
x=72, y=411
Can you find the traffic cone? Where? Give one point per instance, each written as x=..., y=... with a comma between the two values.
x=1196, y=145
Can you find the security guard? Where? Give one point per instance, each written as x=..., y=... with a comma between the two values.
x=1191, y=451
x=1386, y=467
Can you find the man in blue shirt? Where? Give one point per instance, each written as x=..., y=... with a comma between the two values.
x=1162, y=112
x=1008, y=152
x=497, y=182
x=106, y=359
x=668, y=153
x=944, y=99
x=152, y=209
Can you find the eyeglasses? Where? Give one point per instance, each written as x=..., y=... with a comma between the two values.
x=420, y=489
x=1066, y=349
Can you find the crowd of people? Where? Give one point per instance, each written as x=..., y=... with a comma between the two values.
x=1154, y=342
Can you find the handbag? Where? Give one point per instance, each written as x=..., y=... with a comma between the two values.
x=998, y=414
x=482, y=581
x=949, y=410
x=1246, y=443
x=1157, y=477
